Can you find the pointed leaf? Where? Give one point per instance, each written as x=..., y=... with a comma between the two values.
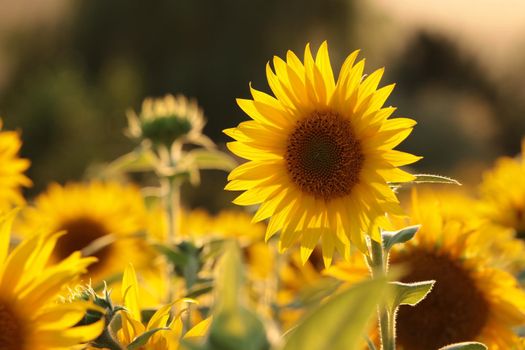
x=316, y=292
x=234, y=326
x=346, y=314
x=409, y=293
x=370, y=343
x=136, y=161
x=210, y=159
x=229, y=278
x=142, y=339
x=390, y=238
x=471, y=345
x=434, y=179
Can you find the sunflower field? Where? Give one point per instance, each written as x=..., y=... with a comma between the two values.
x=320, y=219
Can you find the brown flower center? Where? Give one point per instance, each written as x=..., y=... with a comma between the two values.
x=81, y=232
x=323, y=156
x=11, y=332
x=454, y=311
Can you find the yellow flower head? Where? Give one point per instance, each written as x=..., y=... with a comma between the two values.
x=31, y=318
x=13, y=167
x=503, y=193
x=471, y=300
x=133, y=327
x=320, y=154
x=100, y=219
x=164, y=121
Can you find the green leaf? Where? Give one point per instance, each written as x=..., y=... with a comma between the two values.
x=239, y=329
x=138, y=160
x=339, y=324
x=210, y=159
x=175, y=257
x=185, y=258
x=234, y=326
x=315, y=293
x=230, y=278
x=434, y=179
x=471, y=345
x=409, y=293
x=370, y=343
x=142, y=339
x=390, y=238
x=199, y=289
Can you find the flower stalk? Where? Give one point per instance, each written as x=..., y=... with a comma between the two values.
x=379, y=267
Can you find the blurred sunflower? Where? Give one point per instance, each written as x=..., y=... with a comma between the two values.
x=11, y=175
x=30, y=316
x=167, y=121
x=456, y=203
x=471, y=300
x=502, y=193
x=320, y=154
x=100, y=220
x=132, y=326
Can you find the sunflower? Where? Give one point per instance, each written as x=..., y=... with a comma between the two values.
x=471, y=300
x=320, y=154
x=31, y=318
x=100, y=219
x=168, y=120
x=133, y=326
x=11, y=175
x=502, y=193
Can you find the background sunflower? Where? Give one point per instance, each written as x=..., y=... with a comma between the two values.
x=471, y=299
x=104, y=220
x=12, y=177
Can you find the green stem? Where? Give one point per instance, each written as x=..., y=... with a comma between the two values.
x=171, y=199
x=172, y=209
x=379, y=267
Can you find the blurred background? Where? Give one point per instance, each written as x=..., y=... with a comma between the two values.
x=69, y=69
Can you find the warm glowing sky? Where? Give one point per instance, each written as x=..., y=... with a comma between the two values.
x=493, y=28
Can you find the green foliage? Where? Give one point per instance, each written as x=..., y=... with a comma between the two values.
x=139, y=160
x=427, y=179
x=186, y=259
x=111, y=316
x=465, y=346
x=142, y=339
x=315, y=293
x=409, y=293
x=347, y=313
x=204, y=159
x=391, y=238
x=210, y=159
x=234, y=326
x=435, y=179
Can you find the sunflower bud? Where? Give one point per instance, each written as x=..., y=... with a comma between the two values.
x=168, y=120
